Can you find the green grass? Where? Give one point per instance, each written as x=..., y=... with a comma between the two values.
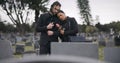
x=18, y=55
x=29, y=48
x=100, y=50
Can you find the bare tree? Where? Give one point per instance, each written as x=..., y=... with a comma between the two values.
x=18, y=10
x=38, y=6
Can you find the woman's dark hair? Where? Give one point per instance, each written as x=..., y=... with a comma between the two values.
x=55, y=3
x=60, y=11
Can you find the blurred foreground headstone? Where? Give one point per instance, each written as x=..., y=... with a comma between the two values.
x=5, y=49
x=52, y=59
x=112, y=54
x=75, y=48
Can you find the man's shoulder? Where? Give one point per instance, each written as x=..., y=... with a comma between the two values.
x=46, y=14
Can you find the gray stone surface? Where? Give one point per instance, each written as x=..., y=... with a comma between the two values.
x=112, y=54
x=28, y=44
x=79, y=39
x=110, y=44
x=5, y=49
x=51, y=59
x=20, y=48
x=75, y=49
x=102, y=43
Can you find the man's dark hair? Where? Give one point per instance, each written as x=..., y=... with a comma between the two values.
x=55, y=3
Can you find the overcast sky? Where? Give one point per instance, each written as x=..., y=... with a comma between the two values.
x=107, y=10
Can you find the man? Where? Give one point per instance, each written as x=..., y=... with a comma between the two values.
x=46, y=25
x=69, y=26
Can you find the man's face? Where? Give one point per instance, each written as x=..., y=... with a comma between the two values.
x=55, y=9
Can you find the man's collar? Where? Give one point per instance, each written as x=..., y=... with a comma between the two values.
x=50, y=13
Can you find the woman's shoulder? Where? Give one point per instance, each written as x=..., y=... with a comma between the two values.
x=72, y=20
x=70, y=17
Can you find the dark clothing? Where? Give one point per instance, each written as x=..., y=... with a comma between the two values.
x=70, y=27
x=117, y=40
x=45, y=40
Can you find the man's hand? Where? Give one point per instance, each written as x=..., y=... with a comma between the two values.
x=50, y=33
x=62, y=32
x=57, y=25
x=50, y=25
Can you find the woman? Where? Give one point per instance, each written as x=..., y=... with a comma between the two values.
x=68, y=27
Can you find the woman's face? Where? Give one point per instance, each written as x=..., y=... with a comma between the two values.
x=61, y=16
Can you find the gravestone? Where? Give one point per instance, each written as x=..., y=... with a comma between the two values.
x=79, y=39
x=101, y=40
x=20, y=48
x=28, y=44
x=110, y=43
x=75, y=49
x=18, y=39
x=5, y=49
x=117, y=40
x=112, y=54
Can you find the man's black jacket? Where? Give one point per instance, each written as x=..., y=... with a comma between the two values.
x=42, y=23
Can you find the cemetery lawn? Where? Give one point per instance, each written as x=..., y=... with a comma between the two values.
x=29, y=48
x=100, y=53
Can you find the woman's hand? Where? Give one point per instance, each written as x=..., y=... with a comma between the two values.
x=59, y=27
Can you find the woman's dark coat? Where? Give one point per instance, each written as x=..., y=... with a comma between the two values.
x=70, y=27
